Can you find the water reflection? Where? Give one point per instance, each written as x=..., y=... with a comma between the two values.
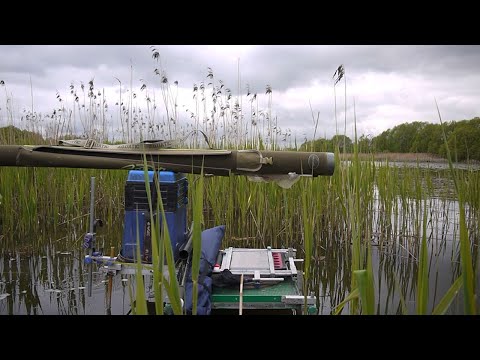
x=395, y=253
x=54, y=282
x=431, y=165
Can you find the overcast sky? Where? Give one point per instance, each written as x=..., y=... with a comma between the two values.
x=390, y=85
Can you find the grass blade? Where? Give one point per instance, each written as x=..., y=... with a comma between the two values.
x=364, y=287
x=130, y=294
x=171, y=284
x=465, y=253
x=308, y=243
x=467, y=267
x=157, y=265
x=422, y=278
x=403, y=305
x=447, y=299
x=353, y=295
x=197, y=240
x=140, y=301
x=370, y=283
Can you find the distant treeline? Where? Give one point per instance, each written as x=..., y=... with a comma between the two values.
x=463, y=139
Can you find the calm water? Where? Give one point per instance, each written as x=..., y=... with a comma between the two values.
x=433, y=165
x=52, y=279
x=55, y=282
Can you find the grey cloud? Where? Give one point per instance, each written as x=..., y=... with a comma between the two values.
x=449, y=73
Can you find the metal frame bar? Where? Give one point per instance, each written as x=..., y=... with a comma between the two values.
x=271, y=272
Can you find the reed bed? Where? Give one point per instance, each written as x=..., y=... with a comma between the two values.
x=392, y=208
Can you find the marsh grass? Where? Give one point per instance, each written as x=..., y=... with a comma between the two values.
x=157, y=245
x=161, y=251
x=262, y=214
x=140, y=302
x=308, y=224
x=469, y=296
x=197, y=238
x=422, y=278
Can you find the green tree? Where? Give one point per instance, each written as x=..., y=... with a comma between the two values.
x=365, y=144
x=340, y=141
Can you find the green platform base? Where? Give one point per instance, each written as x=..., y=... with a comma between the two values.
x=267, y=297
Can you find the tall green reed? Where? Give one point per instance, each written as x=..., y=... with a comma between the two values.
x=469, y=295
x=157, y=245
x=140, y=301
x=171, y=284
x=308, y=224
x=422, y=278
x=197, y=239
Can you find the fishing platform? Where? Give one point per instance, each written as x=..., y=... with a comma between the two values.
x=232, y=280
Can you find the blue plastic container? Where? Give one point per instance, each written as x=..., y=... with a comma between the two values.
x=137, y=224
